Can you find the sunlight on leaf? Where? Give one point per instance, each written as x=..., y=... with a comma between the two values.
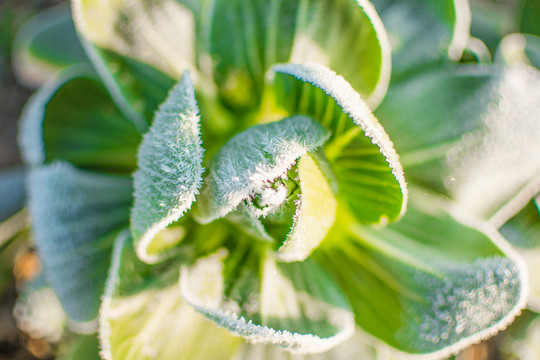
x=143, y=316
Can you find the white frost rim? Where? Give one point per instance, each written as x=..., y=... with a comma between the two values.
x=352, y=105
x=293, y=342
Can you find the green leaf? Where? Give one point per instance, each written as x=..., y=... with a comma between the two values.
x=144, y=317
x=75, y=214
x=295, y=306
x=82, y=347
x=434, y=282
x=169, y=173
x=469, y=132
x=251, y=160
x=259, y=34
x=523, y=232
x=74, y=119
x=46, y=44
x=530, y=18
x=424, y=32
x=138, y=47
x=362, y=157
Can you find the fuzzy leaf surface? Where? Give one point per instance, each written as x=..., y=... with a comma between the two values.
x=169, y=172
x=255, y=157
x=75, y=214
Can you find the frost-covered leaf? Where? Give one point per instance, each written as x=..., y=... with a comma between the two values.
x=251, y=160
x=412, y=284
x=75, y=215
x=12, y=192
x=245, y=38
x=73, y=118
x=293, y=305
x=471, y=132
x=46, y=44
x=368, y=172
x=144, y=317
x=138, y=47
x=358, y=346
x=423, y=32
x=169, y=173
x=523, y=232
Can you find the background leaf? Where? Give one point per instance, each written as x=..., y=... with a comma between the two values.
x=470, y=133
x=45, y=45
x=73, y=118
x=424, y=33
x=169, y=172
x=75, y=215
x=273, y=31
x=118, y=37
x=523, y=232
x=12, y=192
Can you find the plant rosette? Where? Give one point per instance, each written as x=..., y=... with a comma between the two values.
x=260, y=210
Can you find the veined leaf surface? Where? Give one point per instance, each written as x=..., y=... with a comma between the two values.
x=412, y=285
x=73, y=118
x=263, y=33
x=295, y=305
x=366, y=166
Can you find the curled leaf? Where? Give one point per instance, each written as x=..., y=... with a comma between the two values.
x=367, y=168
x=295, y=306
x=169, y=172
